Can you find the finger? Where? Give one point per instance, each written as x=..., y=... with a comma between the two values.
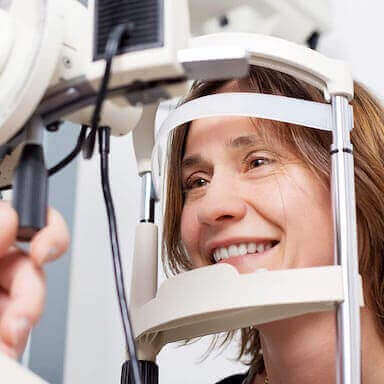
x=52, y=241
x=9, y=351
x=8, y=225
x=25, y=283
x=4, y=300
x=17, y=351
x=20, y=347
x=13, y=352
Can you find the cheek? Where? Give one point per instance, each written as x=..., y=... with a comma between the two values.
x=323, y=236
x=265, y=197
x=309, y=224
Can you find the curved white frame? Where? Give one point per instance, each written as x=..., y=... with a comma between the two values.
x=333, y=77
x=278, y=108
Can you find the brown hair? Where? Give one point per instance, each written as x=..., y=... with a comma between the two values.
x=312, y=147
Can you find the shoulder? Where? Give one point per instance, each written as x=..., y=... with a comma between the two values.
x=235, y=379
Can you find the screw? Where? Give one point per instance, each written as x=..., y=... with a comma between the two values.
x=67, y=62
x=223, y=21
x=54, y=127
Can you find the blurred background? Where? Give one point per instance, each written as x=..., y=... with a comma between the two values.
x=80, y=339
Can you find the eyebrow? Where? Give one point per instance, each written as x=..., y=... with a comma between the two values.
x=243, y=141
x=192, y=161
x=234, y=143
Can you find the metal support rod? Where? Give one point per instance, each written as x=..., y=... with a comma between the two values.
x=148, y=202
x=343, y=194
x=35, y=130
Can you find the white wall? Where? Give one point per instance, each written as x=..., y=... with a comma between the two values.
x=95, y=342
x=357, y=39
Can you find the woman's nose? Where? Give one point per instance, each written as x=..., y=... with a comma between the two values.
x=220, y=205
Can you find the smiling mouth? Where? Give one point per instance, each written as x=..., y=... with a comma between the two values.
x=241, y=249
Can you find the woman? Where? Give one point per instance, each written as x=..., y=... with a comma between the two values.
x=247, y=186
x=22, y=281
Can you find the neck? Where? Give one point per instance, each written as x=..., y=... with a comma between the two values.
x=302, y=350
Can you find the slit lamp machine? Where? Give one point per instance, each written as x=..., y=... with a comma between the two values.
x=107, y=66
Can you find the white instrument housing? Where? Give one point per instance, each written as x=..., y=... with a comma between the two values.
x=53, y=47
x=293, y=20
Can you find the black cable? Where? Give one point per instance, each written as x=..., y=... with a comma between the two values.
x=111, y=49
x=63, y=163
x=104, y=138
x=79, y=145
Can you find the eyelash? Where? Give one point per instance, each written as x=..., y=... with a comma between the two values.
x=249, y=159
x=246, y=162
x=189, y=183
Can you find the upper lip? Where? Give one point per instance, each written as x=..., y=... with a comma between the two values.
x=212, y=245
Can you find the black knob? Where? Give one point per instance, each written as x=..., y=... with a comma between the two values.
x=30, y=191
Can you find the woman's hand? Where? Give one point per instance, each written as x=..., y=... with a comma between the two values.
x=22, y=279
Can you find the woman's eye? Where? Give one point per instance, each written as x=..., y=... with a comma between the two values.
x=195, y=183
x=257, y=162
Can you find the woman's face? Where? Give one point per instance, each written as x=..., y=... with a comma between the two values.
x=251, y=204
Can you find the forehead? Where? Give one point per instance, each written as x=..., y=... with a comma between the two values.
x=231, y=131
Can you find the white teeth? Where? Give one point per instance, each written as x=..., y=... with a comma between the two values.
x=240, y=250
x=251, y=248
x=224, y=253
x=232, y=250
x=260, y=248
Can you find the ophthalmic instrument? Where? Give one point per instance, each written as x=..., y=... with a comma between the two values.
x=107, y=66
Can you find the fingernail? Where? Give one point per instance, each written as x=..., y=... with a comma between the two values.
x=19, y=329
x=50, y=255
